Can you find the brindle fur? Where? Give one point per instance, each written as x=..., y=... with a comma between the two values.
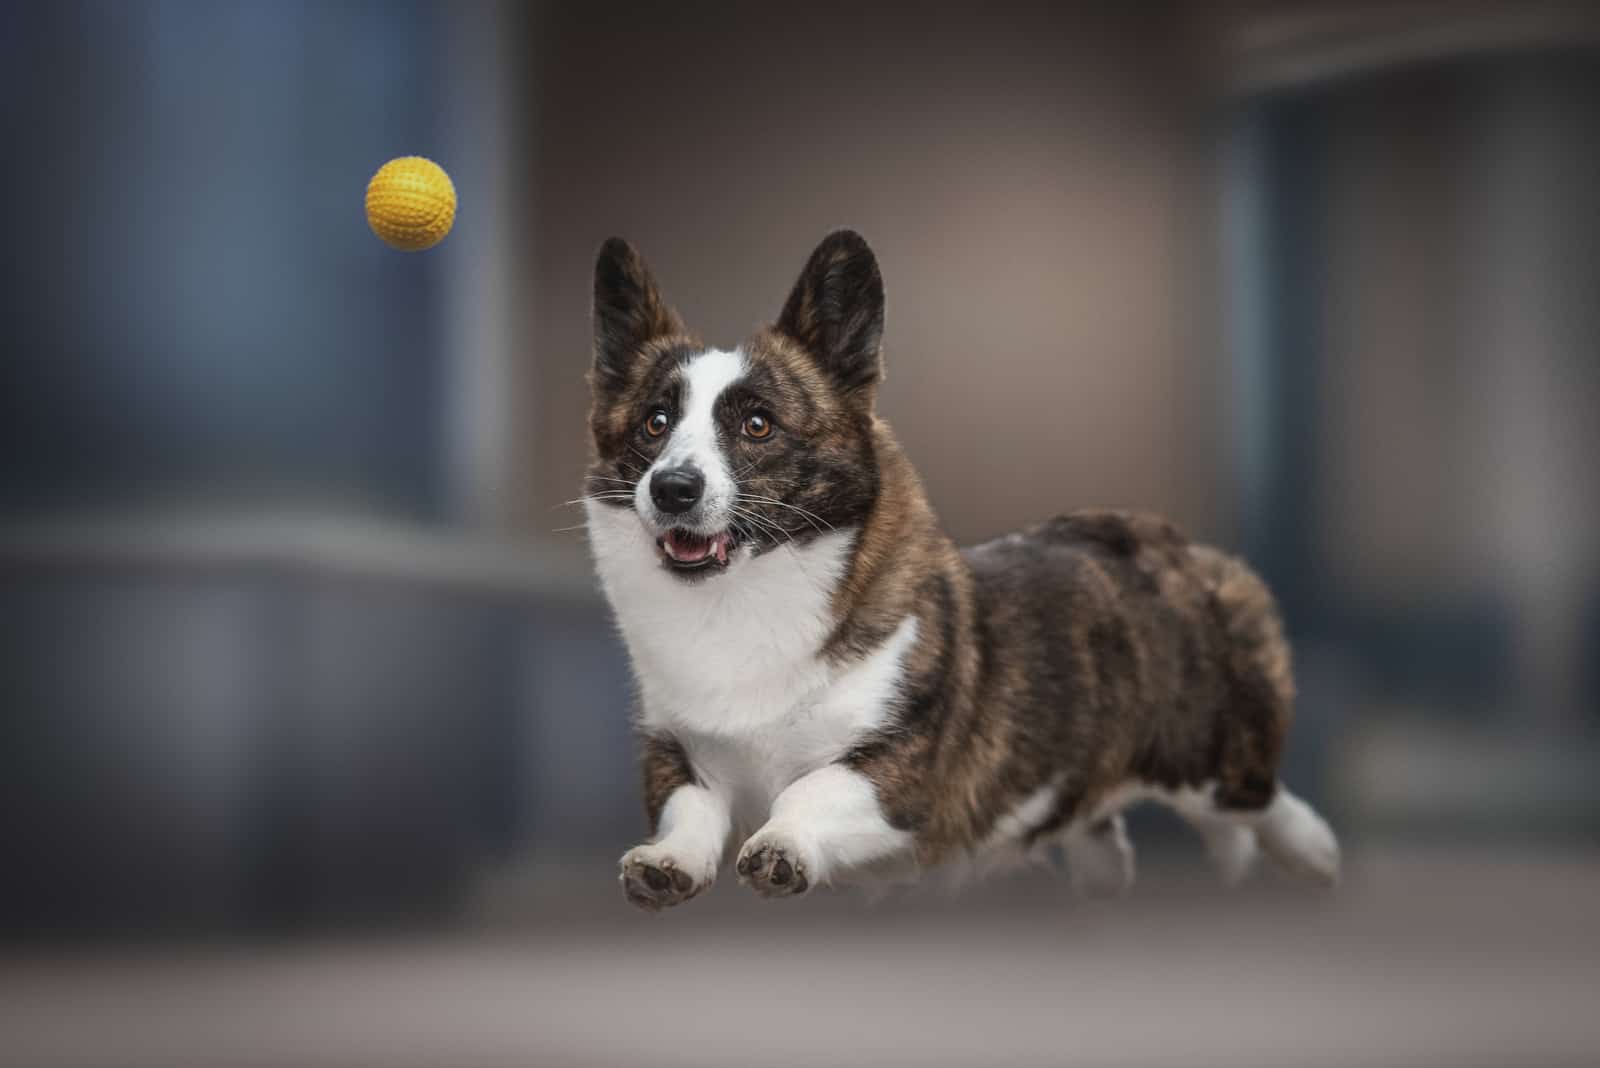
x=1094, y=650
x=666, y=767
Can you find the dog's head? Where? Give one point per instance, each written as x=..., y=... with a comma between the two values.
x=725, y=455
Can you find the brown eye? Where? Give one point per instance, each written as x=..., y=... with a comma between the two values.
x=758, y=426
x=656, y=425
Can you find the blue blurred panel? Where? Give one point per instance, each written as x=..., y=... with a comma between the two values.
x=272, y=747
x=1276, y=217
x=1591, y=647
x=132, y=713
x=194, y=308
x=1454, y=653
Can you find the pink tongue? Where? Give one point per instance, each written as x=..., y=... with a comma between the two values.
x=687, y=547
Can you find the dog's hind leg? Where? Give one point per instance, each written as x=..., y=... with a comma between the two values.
x=1233, y=847
x=1286, y=829
x=1247, y=798
x=1298, y=839
x=1100, y=858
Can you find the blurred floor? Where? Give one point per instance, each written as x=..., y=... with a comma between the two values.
x=1441, y=957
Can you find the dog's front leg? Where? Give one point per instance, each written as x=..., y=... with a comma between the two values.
x=824, y=824
x=691, y=821
x=682, y=859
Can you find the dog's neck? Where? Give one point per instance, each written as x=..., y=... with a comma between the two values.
x=735, y=648
x=900, y=547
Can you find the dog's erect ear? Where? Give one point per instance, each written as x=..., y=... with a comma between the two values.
x=628, y=310
x=836, y=310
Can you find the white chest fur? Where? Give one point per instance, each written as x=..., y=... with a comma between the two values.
x=730, y=665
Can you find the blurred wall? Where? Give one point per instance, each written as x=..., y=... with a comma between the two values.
x=1463, y=225
x=1460, y=373
x=194, y=309
x=241, y=686
x=1411, y=195
x=1026, y=174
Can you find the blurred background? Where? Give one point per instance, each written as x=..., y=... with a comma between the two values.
x=313, y=729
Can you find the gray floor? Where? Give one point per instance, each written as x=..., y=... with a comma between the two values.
x=1442, y=957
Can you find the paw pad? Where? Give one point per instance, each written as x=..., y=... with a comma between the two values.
x=655, y=882
x=772, y=871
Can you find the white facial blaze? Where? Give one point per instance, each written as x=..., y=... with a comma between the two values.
x=694, y=440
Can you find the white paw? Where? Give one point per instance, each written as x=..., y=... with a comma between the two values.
x=654, y=877
x=1100, y=860
x=1300, y=840
x=773, y=865
x=1233, y=849
x=1318, y=853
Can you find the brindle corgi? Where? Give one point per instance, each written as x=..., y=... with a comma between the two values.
x=830, y=689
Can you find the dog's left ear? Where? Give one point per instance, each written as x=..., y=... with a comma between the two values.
x=836, y=310
x=628, y=311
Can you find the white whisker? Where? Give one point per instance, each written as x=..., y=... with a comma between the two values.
x=604, y=495
x=810, y=517
x=767, y=525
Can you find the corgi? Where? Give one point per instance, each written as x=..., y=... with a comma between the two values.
x=830, y=691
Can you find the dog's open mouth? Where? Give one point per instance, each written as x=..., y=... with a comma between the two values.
x=688, y=551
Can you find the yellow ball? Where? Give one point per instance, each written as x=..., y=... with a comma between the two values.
x=411, y=203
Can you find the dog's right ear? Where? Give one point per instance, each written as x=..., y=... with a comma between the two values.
x=628, y=311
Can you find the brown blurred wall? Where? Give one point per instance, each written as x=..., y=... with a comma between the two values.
x=1029, y=177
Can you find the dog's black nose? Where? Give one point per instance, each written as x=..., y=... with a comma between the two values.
x=676, y=489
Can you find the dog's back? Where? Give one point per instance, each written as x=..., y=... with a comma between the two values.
x=1144, y=656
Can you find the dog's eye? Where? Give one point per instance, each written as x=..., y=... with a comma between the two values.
x=758, y=427
x=656, y=425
